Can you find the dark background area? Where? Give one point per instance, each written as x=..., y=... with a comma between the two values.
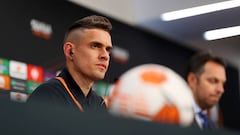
x=18, y=43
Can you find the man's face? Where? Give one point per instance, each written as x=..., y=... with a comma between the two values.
x=209, y=86
x=92, y=54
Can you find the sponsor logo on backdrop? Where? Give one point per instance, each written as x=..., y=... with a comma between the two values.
x=18, y=70
x=19, y=97
x=120, y=55
x=41, y=29
x=35, y=73
x=48, y=75
x=4, y=66
x=31, y=86
x=101, y=88
x=4, y=82
x=19, y=85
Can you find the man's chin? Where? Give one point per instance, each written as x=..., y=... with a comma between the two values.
x=99, y=77
x=212, y=104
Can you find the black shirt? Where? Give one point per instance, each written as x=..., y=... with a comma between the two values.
x=52, y=92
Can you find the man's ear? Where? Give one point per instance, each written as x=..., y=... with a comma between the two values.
x=68, y=48
x=191, y=79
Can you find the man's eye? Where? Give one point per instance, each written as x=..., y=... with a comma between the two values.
x=212, y=80
x=94, y=45
x=109, y=50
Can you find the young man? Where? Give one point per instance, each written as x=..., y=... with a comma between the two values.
x=206, y=76
x=87, y=47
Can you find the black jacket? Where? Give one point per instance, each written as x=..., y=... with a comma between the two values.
x=53, y=93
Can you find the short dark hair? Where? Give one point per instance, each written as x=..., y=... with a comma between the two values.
x=89, y=22
x=198, y=61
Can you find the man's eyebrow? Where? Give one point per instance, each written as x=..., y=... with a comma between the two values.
x=110, y=47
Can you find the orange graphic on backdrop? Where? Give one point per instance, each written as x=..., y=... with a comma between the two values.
x=4, y=82
x=41, y=34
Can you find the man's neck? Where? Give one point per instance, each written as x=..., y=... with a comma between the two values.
x=83, y=83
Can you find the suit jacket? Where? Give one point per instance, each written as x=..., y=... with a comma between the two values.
x=212, y=125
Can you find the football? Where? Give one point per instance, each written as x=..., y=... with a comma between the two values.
x=152, y=92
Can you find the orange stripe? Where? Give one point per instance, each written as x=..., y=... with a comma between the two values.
x=70, y=93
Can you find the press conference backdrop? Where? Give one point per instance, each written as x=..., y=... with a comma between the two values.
x=31, y=51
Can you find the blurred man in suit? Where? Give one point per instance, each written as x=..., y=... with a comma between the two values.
x=206, y=76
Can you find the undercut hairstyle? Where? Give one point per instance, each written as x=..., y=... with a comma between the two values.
x=90, y=22
x=198, y=61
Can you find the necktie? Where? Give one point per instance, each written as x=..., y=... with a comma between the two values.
x=204, y=117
